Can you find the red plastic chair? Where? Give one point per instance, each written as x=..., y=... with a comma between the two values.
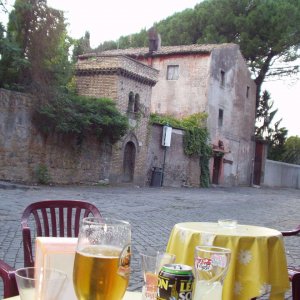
x=294, y=273
x=55, y=218
x=7, y=274
x=291, y=232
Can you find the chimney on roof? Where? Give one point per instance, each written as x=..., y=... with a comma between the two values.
x=154, y=40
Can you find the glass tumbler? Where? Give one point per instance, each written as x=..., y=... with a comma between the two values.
x=210, y=268
x=152, y=262
x=41, y=284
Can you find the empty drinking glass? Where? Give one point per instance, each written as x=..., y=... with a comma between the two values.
x=41, y=284
x=152, y=262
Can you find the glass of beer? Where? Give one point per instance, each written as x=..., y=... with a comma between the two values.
x=102, y=259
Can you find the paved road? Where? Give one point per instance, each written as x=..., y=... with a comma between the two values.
x=153, y=212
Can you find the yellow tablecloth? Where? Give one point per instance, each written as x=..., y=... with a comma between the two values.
x=128, y=296
x=258, y=262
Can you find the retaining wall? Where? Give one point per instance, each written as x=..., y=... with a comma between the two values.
x=279, y=174
x=23, y=149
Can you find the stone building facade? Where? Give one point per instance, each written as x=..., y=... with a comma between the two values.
x=175, y=80
x=212, y=79
x=25, y=152
x=129, y=83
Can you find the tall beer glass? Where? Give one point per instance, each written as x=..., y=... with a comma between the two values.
x=102, y=259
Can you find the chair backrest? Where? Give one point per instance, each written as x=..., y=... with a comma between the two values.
x=7, y=274
x=294, y=274
x=55, y=218
x=294, y=231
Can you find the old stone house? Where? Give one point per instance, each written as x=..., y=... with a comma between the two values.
x=129, y=83
x=179, y=81
x=25, y=151
x=191, y=79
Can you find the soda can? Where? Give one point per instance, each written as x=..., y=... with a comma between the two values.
x=175, y=281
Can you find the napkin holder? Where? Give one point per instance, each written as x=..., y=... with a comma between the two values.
x=57, y=253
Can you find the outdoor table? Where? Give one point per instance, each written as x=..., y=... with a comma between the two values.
x=128, y=296
x=258, y=262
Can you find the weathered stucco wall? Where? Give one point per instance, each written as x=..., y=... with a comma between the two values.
x=184, y=96
x=234, y=95
x=23, y=149
x=180, y=170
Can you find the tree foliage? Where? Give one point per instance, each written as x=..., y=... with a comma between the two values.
x=35, y=57
x=264, y=116
x=82, y=45
x=276, y=136
x=292, y=150
x=82, y=116
x=39, y=47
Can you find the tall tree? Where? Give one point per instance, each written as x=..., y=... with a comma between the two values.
x=39, y=33
x=275, y=135
x=82, y=45
x=276, y=139
x=264, y=116
x=266, y=30
x=292, y=150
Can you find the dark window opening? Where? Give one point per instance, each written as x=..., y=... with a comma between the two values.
x=247, y=92
x=136, y=103
x=222, y=78
x=220, y=119
x=131, y=102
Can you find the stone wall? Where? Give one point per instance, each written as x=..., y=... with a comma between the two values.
x=23, y=149
x=180, y=170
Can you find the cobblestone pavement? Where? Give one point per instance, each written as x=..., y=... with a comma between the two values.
x=153, y=212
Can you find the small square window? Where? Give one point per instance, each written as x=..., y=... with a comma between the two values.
x=220, y=119
x=173, y=72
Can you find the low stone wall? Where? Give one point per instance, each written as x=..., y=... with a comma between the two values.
x=279, y=174
x=179, y=169
x=23, y=149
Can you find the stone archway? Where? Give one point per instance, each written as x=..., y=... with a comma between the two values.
x=129, y=161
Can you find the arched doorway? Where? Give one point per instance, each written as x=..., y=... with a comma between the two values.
x=129, y=162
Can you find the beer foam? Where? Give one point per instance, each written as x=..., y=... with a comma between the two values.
x=101, y=251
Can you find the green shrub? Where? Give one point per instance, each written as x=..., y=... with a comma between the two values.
x=42, y=174
x=82, y=116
